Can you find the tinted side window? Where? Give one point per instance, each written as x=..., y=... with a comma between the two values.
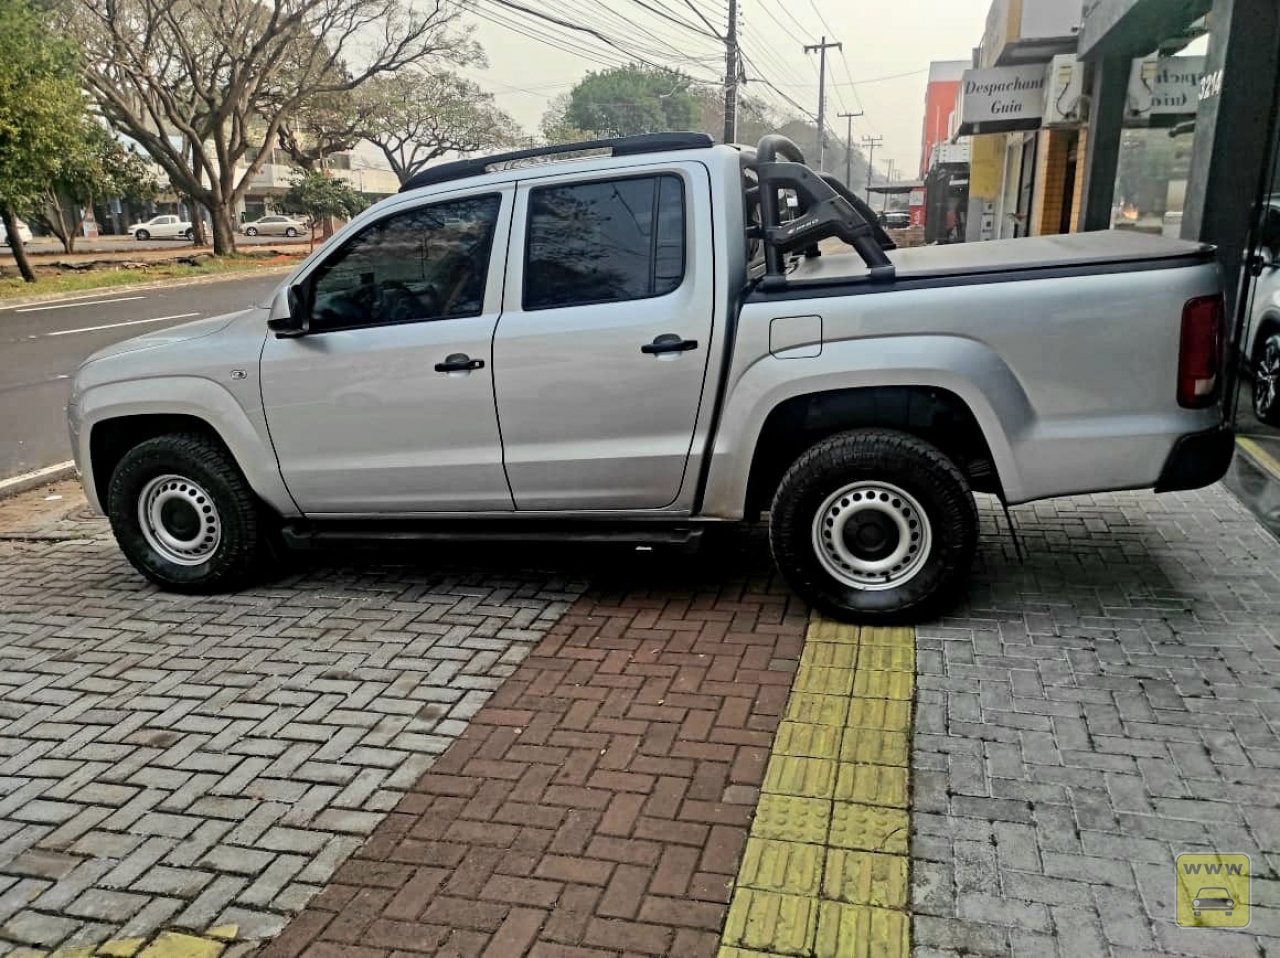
x=422, y=264
x=604, y=242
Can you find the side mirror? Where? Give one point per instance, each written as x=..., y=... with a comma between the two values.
x=293, y=320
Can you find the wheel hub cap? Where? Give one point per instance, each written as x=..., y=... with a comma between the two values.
x=1266, y=376
x=179, y=520
x=872, y=536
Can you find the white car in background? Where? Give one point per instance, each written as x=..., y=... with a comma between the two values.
x=24, y=234
x=166, y=226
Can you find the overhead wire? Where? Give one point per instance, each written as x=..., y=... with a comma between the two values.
x=661, y=12
x=558, y=43
x=583, y=28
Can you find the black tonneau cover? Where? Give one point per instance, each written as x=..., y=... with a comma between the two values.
x=1076, y=252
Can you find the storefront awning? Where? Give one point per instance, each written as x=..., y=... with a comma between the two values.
x=1133, y=28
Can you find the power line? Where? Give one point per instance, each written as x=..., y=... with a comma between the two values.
x=692, y=6
x=676, y=20
x=576, y=27
x=761, y=78
x=781, y=23
x=821, y=18
x=561, y=44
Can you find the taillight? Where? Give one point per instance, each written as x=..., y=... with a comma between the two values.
x=1200, y=355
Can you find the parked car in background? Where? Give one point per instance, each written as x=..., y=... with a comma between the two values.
x=274, y=226
x=895, y=220
x=1260, y=343
x=166, y=226
x=24, y=233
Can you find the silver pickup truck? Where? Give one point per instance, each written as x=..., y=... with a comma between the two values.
x=638, y=339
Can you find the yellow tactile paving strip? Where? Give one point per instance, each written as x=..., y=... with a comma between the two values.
x=826, y=866
x=167, y=944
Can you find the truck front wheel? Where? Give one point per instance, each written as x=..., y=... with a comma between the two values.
x=875, y=527
x=184, y=515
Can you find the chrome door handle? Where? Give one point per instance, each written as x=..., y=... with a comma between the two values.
x=668, y=343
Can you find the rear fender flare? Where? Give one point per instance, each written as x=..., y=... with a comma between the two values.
x=965, y=367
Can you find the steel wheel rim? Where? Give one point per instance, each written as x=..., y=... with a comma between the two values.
x=179, y=520
x=872, y=536
x=1265, y=379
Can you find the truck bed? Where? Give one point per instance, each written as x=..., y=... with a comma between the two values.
x=1078, y=253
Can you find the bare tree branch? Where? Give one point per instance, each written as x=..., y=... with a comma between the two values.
x=207, y=87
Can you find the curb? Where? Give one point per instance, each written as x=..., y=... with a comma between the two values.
x=1263, y=459
x=34, y=480
x=19, y=302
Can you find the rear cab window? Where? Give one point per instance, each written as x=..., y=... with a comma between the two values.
x=604, y=241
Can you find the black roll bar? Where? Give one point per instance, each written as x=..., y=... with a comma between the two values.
x=825, y=213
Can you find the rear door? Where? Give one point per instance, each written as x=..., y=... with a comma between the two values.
x=601, y=353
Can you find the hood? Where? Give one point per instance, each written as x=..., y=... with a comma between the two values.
x=167, y=337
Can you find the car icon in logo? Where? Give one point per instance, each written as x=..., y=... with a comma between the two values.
x=1212, y=899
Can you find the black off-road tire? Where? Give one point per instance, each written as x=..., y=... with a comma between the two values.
x=886, y=456
x=245, y=536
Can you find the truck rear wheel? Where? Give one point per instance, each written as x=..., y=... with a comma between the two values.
x=875, y=527
x=184, y=515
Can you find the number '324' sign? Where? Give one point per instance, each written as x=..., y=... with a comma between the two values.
x=1211, y=85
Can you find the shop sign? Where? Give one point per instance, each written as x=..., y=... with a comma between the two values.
x=1164, y=87
x=917, y=197
x=1002, y=99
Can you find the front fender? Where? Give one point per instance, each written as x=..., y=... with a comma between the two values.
x=244, y=433
x=967, y=368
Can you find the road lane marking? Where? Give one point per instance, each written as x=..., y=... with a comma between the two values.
x=95, y=302
x=1259, y=455
x=131, y=322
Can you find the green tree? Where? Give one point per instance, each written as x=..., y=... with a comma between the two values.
x=320, y=198
x=555, y=126
x=625, y=101
x=40, y=107
x=94, y=165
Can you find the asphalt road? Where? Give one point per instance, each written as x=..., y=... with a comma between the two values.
x=42, y=344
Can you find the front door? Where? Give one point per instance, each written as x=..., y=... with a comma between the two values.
x=602, y=349
x=386, y=405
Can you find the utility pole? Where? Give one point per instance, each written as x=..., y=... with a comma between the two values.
x=871, y=142
x=848, y=148
x=821, y=49
x=890, y=168
x=731, y=76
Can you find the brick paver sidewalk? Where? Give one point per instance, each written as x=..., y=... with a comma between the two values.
x=1085, y=718
x=601, y=800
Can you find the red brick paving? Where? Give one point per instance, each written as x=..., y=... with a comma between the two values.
x=597, y=806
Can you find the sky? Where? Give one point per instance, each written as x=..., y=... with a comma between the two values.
x=887, y=50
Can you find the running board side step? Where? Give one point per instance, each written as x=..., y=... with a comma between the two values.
x=325, y=534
